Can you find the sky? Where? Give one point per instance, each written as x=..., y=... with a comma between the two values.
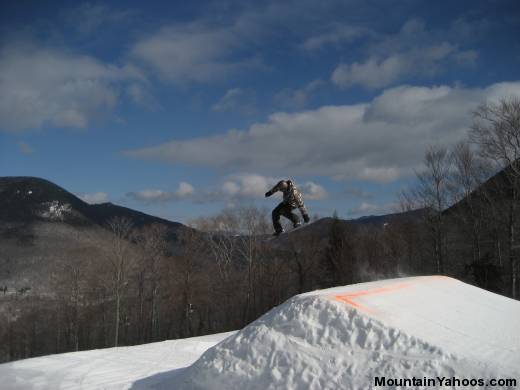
x=180, y=109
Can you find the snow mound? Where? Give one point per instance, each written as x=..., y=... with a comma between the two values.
x=422, y=327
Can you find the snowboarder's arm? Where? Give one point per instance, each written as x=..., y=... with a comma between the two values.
x=276, y=188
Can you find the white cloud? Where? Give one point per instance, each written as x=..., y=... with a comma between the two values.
x=236, y=99
x=366, y=208
x=250, y=186
x=378, y=141
x=25, y=148
x=94, y=198
x=371, y=74
x=151, y=195
x=88, y=18
x=183, y=191
x=242, y=186
x=336, y=35
x=313, y=191
x=247, y=185
x=380, y=174
x=413, y=51
x=235, y=187
x=297, y=98
x=230, y=188
x=467, y=57
x=48, y=87
x=140, y=94
x=376, y=73
x=194, y=52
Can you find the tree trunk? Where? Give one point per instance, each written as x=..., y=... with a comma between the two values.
x=140, y=318
x=512, y=261
x=153, y=319
x=440, y=246
x=116, y=330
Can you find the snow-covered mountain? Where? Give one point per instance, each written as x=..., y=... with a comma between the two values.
x=41, y=222
x=421, y=327
x=31, y=199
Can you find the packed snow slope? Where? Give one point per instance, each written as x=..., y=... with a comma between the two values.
x=344, y=337
x=110, y=368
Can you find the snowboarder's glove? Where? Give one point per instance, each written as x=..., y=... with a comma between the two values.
x=306, y=218
x=268, y=194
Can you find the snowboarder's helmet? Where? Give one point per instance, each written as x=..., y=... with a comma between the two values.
x=283, y=185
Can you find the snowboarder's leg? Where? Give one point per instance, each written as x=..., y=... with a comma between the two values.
x=304, y=213
x=278, y=210
x=287, y=213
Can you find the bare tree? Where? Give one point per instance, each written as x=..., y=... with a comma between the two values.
x=339, y=253
x=496, y=132
x=253, y=224
x=186, y=287
x=411, y=230
x=220, y=240
x=120, y=262
x=468, y=174
x=153, y=243
x=432, y=193
x=221, y=231
x=70, y=283
x=306, y=253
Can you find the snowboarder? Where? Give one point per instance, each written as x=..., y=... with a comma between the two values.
x=292, y=199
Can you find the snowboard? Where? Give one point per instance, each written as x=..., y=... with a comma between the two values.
x=273, y=237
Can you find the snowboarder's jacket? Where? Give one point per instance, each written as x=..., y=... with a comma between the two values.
x=291, y=195
x=292, y=198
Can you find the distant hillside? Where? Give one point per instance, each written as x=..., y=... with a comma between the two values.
x=380, y=220
x=495, y=189
x=31, y=199
x=320, y=229
x=42, y=224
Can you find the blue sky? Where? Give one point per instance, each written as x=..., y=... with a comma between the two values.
x=180, y=109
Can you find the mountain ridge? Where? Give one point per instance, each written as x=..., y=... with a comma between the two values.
x=29, y=199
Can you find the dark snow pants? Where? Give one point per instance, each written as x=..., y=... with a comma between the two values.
x=286, y=210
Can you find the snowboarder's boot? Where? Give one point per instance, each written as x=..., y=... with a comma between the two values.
x=278, y=232
x=297, y=224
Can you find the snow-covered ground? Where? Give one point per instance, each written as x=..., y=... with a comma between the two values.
x=111, y=368
x=421, y=327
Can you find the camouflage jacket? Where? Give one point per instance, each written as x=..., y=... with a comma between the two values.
x=291, y=195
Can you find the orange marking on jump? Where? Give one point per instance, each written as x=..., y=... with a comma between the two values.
x=348, y=298
x=345, y=299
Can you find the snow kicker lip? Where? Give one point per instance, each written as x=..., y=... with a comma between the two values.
x=349, y=298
